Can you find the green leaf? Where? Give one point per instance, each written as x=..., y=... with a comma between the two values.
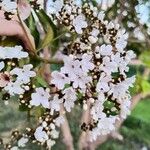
x=33, y=28
x=50, y=30
x=44, y=19
x=109, y=104
x=94, y=2
x=145, y=58
x=47, y=39
x=41, y=81
x=145, y=86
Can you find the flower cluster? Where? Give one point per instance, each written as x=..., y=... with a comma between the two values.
x=94, y=76
x=14, y=80
x=45, y=133
x=9, y=7
x=95, y=69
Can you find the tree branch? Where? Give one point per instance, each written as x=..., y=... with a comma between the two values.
x=67, y=137
x=84, y=140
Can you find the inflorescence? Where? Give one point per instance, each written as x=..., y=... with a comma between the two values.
x=94, y=76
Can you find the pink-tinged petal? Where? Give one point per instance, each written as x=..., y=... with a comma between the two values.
x=24, y=9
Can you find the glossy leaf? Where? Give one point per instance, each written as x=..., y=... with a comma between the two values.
x=33, y=28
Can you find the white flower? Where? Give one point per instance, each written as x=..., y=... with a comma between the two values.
x=9, y=6
x=113, y=24
x=121, y=63
x=80, y=80
x=59, y=79
x=22, y=142
x=93, y=36
x=40, y=97
x=121, y=44
x=14, y=88
x=103, y=83
x=50, y=143
x=59, y=121
x=86, y=63
x=104, y=50
x=119, y=90
x=95, y=32
x=55, y=103
x=68, y=10
x=138, y=34
x=97, y=110
x=94, y=134
x=70, y=97
x=92, y=39
x=79, y=23
x=129, y=55
x=12, y=52
x=2, y=65
x=71, y=66
x=24, y=75
x=101, y=16
x=104, y=127
x=40, y=135
x=55, y=7
x=54, y=134
x=106, y=4
x=125, y=106
x=44, y=124
x=121, y=41
x=14, y=148
x=108, y=66
x=107, y=123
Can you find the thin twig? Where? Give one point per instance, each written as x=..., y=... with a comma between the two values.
x=32, y=46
